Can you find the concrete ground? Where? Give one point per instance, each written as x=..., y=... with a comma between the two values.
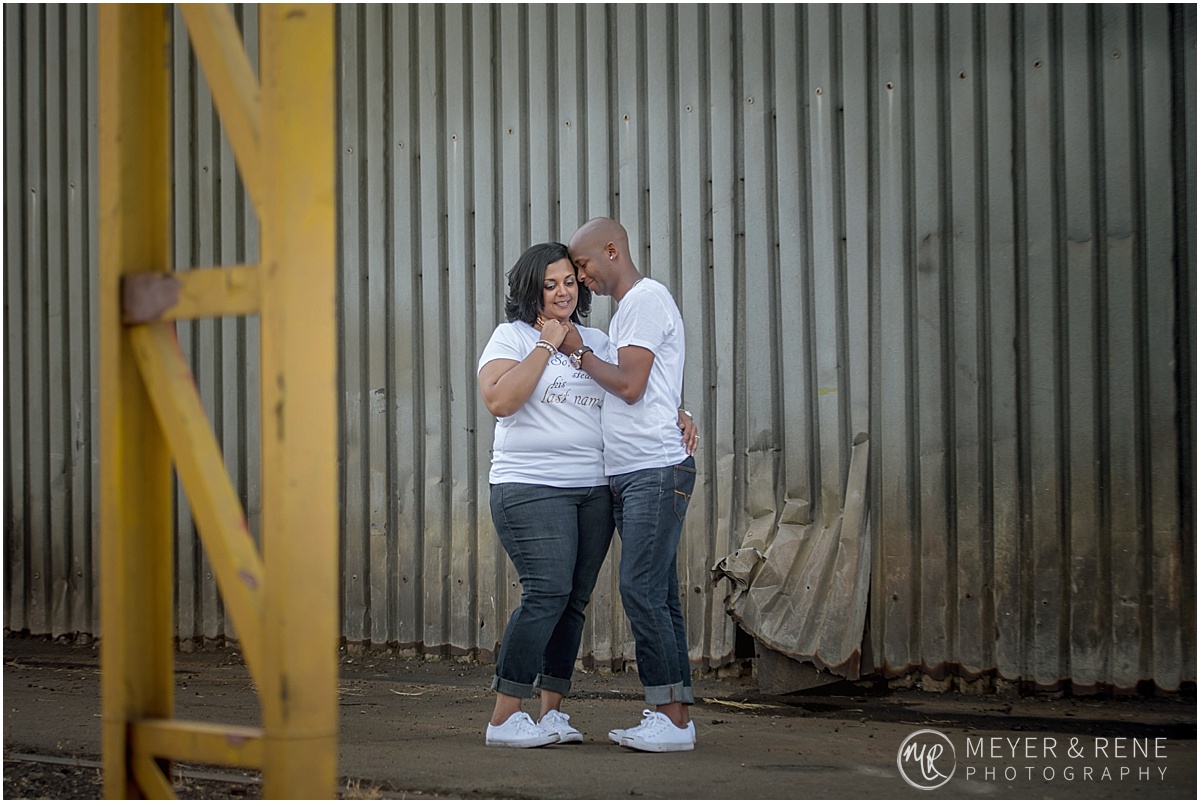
x=414, y=728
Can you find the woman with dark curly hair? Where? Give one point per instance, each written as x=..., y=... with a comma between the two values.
x=550, y=500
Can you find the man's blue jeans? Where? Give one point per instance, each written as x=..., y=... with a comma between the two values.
x=649, y=506
x=557, y=539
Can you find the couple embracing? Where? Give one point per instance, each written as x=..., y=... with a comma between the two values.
x=588, y=436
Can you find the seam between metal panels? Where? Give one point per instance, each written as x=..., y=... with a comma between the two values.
x=443, y=279
x=1062, y=352
x=470, y=257
x=361, y=317
x=673, y=174
x=947, y=346
x=912, y=364
x=709, y=359
x=1141, y=369
x=775, y=314
x=391, y=605
x=1183, y=108
x=340, y=233
x=845, y=392
x=1020, y=262
x=984, y=353
x=418, y=330
x=876, y=607
x=1104, y=434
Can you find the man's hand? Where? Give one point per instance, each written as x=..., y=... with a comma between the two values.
x=691, y=435
x=572, y=342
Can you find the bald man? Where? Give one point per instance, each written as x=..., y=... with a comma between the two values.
x=651, y=472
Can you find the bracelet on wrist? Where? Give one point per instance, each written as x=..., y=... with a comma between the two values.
x=545, y=344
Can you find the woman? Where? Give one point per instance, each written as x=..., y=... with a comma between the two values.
x=550, y=500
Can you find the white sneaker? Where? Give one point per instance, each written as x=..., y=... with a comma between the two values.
x=560, y=723
x=617, y=734
x=519, y=731
x=658, y=734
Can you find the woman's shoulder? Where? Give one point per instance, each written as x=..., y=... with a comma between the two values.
x=509, y=330
x=506, y=342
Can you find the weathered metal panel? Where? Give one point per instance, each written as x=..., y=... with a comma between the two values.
x=1183, y=127
x=1157, y=201
x=355, y=447
x=1080, y=260
x=719, y=414
x=964, y=320
x=487, y=294
x=16, y=590
x=897, y=559
x=967, y=232
x=999, y=421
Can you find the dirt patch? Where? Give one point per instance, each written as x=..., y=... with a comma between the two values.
x=31, y=777
x=413, y=727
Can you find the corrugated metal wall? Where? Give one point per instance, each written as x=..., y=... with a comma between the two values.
x=967, y=231
x=1034, y=319
x=50, y=358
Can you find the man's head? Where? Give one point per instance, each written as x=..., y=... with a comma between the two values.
x=600, y=252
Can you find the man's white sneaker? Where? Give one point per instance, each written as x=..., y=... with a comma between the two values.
x=560, y=723
x=519, y=731
x=658, y=734
x=617, y=734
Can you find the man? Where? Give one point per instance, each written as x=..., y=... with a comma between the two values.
x=650, y=471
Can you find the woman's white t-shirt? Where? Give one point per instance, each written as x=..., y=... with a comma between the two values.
x=554, y=438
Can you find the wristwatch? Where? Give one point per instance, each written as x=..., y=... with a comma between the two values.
x=578, y=355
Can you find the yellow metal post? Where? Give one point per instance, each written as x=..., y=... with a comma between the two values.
x=283, y=602
x=299, y=370
x=137, y=605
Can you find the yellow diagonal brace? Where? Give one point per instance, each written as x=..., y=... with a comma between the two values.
x=218, y=46
x=215, y=504
x=200, y=742
x=151, y=779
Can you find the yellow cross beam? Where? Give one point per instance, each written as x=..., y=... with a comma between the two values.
x=283, y=601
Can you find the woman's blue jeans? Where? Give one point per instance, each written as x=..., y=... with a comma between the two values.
x=557, y=538
x=649, y=507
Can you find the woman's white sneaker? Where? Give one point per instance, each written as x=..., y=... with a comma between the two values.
x=560, y=723
x=658, y=734
x=519, y=731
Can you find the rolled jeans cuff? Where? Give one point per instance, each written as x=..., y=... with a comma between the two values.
x=511, y=687
x=552, y=684
x=674, y=693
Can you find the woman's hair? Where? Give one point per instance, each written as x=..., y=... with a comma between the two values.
x=527, y=278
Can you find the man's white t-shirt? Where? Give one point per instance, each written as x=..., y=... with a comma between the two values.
x=646, y=434
x=554, y=438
